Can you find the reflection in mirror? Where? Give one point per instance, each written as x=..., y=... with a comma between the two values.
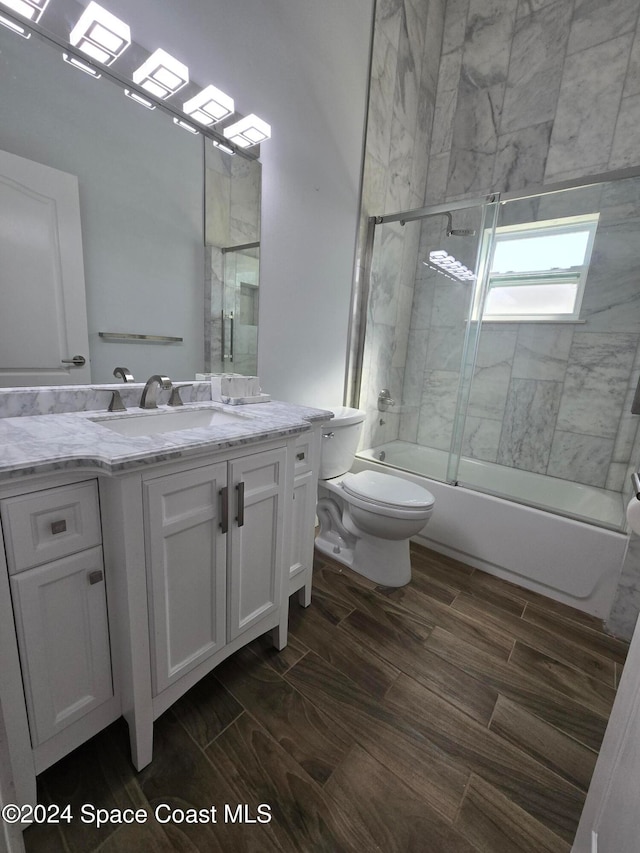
x=140, y=187
x=232, y=262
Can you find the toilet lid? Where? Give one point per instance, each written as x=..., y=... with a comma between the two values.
x=387, y=490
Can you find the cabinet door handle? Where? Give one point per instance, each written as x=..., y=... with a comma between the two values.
x=240, y=516
x=224, y=509
x=95, y=577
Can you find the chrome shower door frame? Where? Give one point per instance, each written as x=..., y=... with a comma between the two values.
x=489, y=206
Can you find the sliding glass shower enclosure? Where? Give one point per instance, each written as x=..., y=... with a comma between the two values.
x=501, y=346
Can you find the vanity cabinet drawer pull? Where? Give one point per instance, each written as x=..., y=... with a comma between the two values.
x=50, y=524
x=303, y=455
x=95, y=577
x=240, y=516
x=224, y=509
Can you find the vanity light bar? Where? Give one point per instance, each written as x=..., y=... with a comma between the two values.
x=31, y=9
x=162, y=75
x=103, y=37
x=185, y=125
x=222, y=147
x=209, y=106
x=15, y=28
x=250, y=130
x=139, y=99
x=443, y=262
x=100, y=34
x=81, y=66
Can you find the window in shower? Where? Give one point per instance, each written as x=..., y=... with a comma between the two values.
x=539, y=270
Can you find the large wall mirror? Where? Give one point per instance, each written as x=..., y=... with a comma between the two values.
x=170, y=225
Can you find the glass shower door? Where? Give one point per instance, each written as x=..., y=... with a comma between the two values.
x=418, y=342
x=548, y=422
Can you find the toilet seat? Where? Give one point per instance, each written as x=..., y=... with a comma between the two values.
x=387, y=494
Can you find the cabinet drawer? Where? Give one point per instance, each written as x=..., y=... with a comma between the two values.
x=302, y=456
x=50, y=524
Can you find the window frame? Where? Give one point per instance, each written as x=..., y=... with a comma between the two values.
x=577, y=274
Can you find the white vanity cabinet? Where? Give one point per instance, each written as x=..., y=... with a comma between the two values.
x=119, y=591
x=214, y=558
x=305, y=488
x=58, y=594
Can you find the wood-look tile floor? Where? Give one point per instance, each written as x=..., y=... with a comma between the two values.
x=457, y=714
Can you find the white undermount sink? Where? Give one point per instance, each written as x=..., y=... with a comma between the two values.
x=154, y=422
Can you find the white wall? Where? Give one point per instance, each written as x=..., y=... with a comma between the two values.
x=302, y=65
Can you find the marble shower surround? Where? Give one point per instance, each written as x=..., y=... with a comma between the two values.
x=548, y=398
x=529, y=92
x=533, y=92
x=405, y=63
x=506, y=96
x=505, y=92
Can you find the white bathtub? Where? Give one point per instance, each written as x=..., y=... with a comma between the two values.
x=570, y=560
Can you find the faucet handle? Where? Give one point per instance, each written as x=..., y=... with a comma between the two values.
x=116, y=404
x=385, y=400
x=175, y=399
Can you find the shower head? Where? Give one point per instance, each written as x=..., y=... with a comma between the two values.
x=458, y=232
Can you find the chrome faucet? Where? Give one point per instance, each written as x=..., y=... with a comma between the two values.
x=123, y=373
x=385, y=400
x=149, y=394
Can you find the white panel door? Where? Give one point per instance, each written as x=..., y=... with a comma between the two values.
x=63, y=635
x=256, y=488
x=186, y=570
x=304, y=505
x=43, y=315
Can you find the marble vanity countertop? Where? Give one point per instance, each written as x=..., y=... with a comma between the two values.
x=76, y=441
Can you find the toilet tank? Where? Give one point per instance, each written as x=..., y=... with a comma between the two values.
x=340, y=437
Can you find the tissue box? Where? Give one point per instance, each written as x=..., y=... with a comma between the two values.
x=225, y=385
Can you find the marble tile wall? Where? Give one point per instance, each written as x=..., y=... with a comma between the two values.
x=513, y=110
x=404, y=76
x=533, y=92
x=626, y=605
x=524, y=93
x=477, y=96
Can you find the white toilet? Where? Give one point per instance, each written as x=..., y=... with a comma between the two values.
x=366, y=519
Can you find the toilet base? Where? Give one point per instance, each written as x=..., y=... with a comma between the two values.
x=384, y=561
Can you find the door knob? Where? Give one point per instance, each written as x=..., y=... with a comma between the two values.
x=76, y=361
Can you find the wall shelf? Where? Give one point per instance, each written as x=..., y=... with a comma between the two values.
x=130, y=337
